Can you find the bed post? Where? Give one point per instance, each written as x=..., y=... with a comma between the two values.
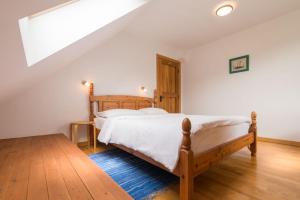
x=91, y=117
x=186, y=163
x=155, y=98
x=253, y=129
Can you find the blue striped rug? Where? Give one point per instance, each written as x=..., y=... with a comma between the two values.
x=137, y=177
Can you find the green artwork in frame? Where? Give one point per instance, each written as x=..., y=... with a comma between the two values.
x=239, y=64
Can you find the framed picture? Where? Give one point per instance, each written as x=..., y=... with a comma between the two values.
x=240, y=64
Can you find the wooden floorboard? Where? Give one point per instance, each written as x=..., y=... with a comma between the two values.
x=6, y=169
x=55, y=182
x=75, y=186
x=6, y=146
x=20, y=174
x=37, y=184
x=51, y=167
x=99, y=183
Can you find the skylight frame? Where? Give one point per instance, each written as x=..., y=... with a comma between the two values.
x=52, y=9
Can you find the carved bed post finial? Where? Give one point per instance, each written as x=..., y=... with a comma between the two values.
x=253, y=129
x=186, y=163
x=155, y=98
x=92, y=89
x=253, y=117
x=186, y=127
x=91, y=102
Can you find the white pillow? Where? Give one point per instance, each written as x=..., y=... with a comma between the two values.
x=118, y=112
x=153, y=111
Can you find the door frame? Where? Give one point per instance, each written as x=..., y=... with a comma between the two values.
x=159, y=56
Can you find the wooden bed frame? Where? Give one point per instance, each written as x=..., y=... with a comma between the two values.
x=190, y=165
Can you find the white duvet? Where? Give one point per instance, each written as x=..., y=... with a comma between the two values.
x=159, y=136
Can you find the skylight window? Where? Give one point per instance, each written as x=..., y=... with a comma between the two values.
x=49, y=31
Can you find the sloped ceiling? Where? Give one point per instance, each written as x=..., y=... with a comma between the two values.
x=179, y=23
x=190, y=23
x=15, y=76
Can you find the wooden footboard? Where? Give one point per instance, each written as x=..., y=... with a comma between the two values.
x=191, y=165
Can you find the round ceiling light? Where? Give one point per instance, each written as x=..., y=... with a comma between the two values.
x=224, y=10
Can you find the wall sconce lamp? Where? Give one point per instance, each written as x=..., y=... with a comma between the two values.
x=143, y=89
x=86, y=83
x=90, y=86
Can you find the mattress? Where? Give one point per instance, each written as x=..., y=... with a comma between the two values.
x=207, y=139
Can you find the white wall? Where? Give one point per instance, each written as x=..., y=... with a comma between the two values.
x=120, y=66
x=271, y=87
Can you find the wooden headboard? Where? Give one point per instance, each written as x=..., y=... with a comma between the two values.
x=107, y=102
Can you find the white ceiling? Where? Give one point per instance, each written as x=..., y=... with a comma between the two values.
x=189, y=23
x=179, y=23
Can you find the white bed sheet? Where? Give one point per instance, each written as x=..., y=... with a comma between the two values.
x=207, y=133
x=99, y=121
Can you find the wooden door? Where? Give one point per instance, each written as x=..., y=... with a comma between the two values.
x=168, y=84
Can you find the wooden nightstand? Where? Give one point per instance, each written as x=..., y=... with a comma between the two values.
x=74, y=132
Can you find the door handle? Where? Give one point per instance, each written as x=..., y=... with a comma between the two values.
x=160, y=98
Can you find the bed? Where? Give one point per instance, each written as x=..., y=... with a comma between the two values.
x=194, y=155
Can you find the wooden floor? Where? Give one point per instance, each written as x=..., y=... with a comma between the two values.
x=273, y=175
x=51, y=167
